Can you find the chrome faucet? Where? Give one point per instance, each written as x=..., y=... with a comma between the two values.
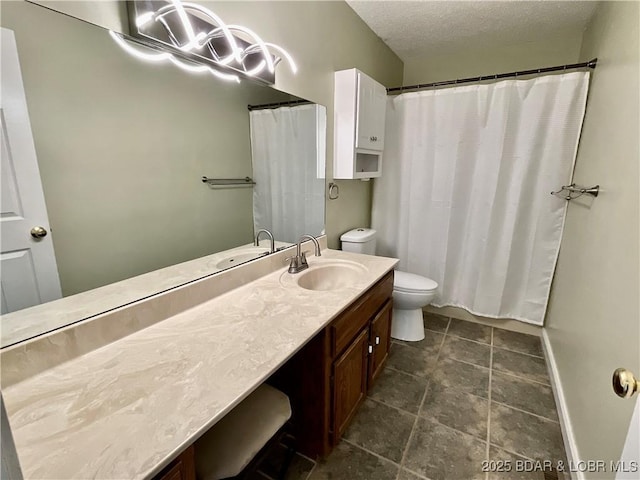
x=270, y=235
x=299, y=262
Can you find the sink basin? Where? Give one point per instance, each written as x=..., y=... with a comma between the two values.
x=330, y=276
x=239, y=258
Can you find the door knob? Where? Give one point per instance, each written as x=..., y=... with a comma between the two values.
x=38, y=232
x=625, y=384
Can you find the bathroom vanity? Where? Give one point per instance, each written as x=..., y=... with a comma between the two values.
x=84, y=402
x=329, y=378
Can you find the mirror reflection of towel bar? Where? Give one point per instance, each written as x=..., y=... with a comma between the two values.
x=229, y=182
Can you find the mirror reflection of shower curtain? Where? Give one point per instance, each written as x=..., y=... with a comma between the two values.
x=287, y=147
x=464, y=196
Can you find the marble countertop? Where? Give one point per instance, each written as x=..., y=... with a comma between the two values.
x=30, y=322
x=126, y=409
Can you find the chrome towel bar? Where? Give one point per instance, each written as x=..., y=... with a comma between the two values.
x=228, y=182
x=573, y=191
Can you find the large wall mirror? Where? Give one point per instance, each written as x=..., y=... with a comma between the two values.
x=122, y=146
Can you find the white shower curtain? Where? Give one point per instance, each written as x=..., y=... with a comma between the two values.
x=287, y=150
x=464, y=197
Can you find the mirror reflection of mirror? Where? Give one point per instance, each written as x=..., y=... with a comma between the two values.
x=122, y=146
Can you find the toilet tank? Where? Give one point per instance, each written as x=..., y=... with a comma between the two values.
x=359, y=240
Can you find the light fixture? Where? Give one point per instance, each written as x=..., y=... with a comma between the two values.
x=139, y=53
x=195, y=39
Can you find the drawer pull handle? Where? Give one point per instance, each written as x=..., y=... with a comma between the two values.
x=377, y=340
x=370, y=348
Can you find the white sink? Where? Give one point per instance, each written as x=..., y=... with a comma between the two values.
x=324, y=275
x=240, y=257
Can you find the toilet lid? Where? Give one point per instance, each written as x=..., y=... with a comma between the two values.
x=410, y=282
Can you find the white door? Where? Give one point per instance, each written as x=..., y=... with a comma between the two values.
x=629, y=465
x=28, y=270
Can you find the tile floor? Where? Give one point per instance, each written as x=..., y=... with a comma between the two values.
x=467, y=393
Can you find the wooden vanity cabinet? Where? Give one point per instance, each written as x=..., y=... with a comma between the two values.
x=355, y=369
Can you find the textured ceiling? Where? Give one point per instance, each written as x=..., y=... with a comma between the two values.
x=417, y=28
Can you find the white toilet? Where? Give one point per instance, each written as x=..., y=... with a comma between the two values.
x=410, y=292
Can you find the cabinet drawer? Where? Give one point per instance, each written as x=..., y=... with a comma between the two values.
x=358, y=314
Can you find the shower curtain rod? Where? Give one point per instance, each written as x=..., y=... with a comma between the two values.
x=589, y=64
x=278, y=104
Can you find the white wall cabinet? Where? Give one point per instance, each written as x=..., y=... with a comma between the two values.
x=359, y=115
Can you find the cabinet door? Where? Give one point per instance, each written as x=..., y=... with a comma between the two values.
x=349, y=382
x=370, y=114
x=380, y=340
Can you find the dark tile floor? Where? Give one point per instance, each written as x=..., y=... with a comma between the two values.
x=465, y=395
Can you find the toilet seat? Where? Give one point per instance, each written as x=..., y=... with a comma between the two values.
x=411, y=283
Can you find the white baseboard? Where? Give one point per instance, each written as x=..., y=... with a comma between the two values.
x=570, y=445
